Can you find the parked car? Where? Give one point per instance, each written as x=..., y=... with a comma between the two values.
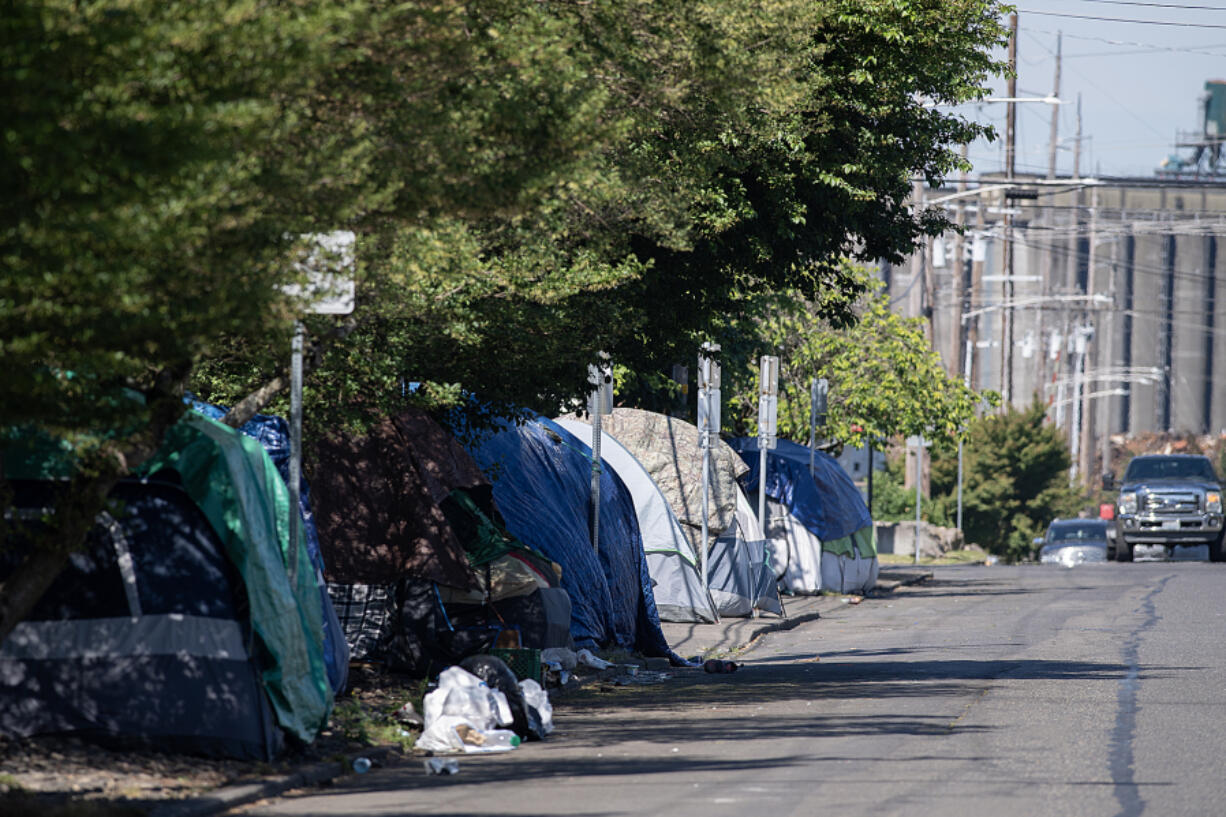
x=1071, y=542
x=1169, y=499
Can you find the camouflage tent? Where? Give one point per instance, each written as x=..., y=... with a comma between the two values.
x=668, y=449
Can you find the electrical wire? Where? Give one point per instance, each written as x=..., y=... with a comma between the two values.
x=1156, y=5
x=1121, y=19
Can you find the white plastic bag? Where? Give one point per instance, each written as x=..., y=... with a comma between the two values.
x=461, y=699
x=536, y=697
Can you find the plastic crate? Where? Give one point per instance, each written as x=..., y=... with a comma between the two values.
x=524, y=662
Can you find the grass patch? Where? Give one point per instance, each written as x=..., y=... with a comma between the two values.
x=953, y=557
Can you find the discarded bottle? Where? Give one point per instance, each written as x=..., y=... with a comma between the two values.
x=441, y=765
x=501, y=739
x=361, y=765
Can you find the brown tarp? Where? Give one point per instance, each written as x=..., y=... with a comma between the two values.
x=376, y=501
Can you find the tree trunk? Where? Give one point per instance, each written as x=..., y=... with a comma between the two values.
x=83, y=498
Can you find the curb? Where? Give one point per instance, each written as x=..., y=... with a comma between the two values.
x=222, y=800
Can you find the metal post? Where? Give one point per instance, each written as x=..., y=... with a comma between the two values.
x=919, y=480
x=708, y=431
x=596, y=424
x=966, y=381
x=600, y=403
x=768, y=415
x=295, y=452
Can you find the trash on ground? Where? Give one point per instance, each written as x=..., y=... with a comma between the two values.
x=408, y=714
x=588, y=659
x=718, y=665
x=361, y=765
x=441, y=765
x=564, y=658
x=525, y=718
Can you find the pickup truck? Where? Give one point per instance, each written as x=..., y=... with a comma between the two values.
x=1169, y=499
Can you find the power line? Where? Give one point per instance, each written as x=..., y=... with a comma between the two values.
x=1121, y=19
x=1156, y=5
x=1110, y=41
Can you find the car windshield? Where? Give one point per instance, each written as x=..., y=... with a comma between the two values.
x=1075, y=530
x=1170, y=468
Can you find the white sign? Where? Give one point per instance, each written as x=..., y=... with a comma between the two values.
x=768, y=401
x=600, y=401
x=912, y=442
x=328, y=267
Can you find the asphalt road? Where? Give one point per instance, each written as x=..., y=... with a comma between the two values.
x=997, y=691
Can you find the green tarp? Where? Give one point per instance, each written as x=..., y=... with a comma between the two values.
x=235, y=484
x=233, y=481
x=865, y=540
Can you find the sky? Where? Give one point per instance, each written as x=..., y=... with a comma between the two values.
x=1138, y=82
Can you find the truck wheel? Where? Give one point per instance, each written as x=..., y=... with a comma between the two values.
x=1215, y=548
x=1123, y=550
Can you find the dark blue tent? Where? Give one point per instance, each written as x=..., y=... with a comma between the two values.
x=144, y=635
x=828, y=503
x=541, y=476
x=272, y=433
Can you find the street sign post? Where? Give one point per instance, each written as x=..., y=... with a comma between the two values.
x=768, y=417
x=708, y=433
x=600, y=403
x=329, y=290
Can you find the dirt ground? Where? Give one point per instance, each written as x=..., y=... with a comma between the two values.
x=67, y=776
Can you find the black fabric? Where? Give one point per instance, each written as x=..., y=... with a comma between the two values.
x=497, y=675
x=541, y=617
x=212, y=706
x=423, y=638
x=183, y=704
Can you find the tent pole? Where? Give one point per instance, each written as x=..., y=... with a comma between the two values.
x=295, y=452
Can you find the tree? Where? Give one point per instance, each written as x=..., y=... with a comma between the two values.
x=1016, y=480
x=884, y=379
x=750, y=147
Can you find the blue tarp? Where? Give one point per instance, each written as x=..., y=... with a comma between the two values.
x=272, y=433
x=541, y=475
x=828, y=504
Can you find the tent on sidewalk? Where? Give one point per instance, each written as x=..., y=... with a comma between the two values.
x=273, y=434
x=669, y=450
x=178, y=626
x=404, y=515
x=671, y=560
x=541, y=475
x=741, y=578
x=820, y=530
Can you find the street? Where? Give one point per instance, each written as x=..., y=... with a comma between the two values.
x=1099, y=690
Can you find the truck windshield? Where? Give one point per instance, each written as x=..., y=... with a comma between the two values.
x=1170, y=468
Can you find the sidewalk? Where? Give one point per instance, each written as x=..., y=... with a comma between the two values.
x=688, y=640
x=691, y=640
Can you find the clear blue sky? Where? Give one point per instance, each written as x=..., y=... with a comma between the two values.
x=1139, y=82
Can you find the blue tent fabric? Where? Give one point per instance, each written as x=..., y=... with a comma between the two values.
x=272, y=433
x=541, y=476
x=828, y=504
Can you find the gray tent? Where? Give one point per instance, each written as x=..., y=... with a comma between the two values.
x=671, y=560
x=668, y=449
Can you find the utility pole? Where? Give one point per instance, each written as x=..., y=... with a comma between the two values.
x=1107, y=356
x=1055, y=115
x=959, y=305
x=1087, y=452
x=1048, y=217
x=972, y=329
x=1010, y=165
x=1077, y=143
